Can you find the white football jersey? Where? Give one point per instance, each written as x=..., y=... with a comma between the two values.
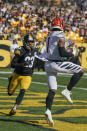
x=52, y=45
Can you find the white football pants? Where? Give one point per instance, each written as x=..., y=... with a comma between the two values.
x=52, y=68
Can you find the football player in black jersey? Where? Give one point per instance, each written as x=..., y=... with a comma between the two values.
x=23, y=64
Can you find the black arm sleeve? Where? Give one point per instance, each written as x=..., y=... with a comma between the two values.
x=64, y=53
x=14, y=63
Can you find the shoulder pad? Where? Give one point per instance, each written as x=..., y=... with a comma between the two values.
x=17, y=51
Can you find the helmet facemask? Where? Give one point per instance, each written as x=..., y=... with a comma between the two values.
x=28, y=41
x=29, y=45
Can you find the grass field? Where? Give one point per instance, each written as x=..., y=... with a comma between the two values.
x=30, y=114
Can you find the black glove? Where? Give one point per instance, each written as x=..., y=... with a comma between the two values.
x=71, y=59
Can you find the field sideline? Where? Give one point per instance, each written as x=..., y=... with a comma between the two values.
x=30, y=114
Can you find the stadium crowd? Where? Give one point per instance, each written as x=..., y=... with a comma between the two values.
x=16, y=19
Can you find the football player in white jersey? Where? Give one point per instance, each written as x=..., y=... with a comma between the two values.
x=59, y=60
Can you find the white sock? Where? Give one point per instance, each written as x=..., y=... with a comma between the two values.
x=15, y=107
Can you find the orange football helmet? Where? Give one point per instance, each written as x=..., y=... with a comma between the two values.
x=58, y=23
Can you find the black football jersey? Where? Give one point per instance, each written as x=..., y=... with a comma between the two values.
x=24, y=65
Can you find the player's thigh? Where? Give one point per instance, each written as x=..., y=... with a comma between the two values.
x=52, y=82
x=52, y=67
x=64, y=67
x=13, y=83
x=68, y=67
x=25, y=82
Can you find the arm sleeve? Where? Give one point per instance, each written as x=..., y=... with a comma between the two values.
x=64, y=53
x=15, y=64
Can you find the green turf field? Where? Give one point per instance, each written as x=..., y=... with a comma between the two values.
x=30, y=114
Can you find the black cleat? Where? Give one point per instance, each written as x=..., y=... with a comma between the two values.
x=12, y=112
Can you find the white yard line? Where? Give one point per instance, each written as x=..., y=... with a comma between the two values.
x=44, y=73
x=37, y=73
x=45, y=84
